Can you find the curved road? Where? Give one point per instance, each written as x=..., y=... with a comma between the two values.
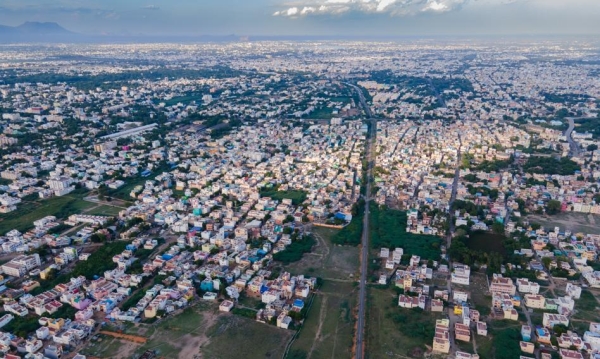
x=574, y=146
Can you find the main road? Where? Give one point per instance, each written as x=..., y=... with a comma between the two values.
x=364, y=251
x=574, y=146
x=453, y=194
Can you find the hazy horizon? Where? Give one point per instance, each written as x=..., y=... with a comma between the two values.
x=306, y=18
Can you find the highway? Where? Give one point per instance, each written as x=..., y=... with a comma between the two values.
x=364, y=251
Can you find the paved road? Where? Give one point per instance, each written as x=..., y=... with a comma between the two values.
x=363, y=102
x=453, y=193
x=574, y=146
x=528, y=316
x=364, y=252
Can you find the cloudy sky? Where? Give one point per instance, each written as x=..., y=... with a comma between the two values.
x=311, y=17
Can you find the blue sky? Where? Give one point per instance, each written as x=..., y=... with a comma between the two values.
x=311, y=17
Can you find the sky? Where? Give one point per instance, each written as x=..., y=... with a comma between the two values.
x=371, y=18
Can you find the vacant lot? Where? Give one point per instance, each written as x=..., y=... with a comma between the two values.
x=327, y=260
x=329, y=329
x=233, y=337
x=574, y=222
x=396, y=332
x=487, y=242
x=198, y=331
x=109, y=347
x=480, y=296
x=586, y=307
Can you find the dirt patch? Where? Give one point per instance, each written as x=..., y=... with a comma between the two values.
x=126, y=349
x=193, y=342
x=416, y=352
x=571, y=221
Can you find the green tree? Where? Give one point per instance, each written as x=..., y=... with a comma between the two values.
x=553, y=207
x=498, y=227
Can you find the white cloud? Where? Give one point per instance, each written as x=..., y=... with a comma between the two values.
x=150, y=7
x=392, y=7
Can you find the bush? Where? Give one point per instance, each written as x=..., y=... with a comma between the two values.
x=507, y=344
x=244, y=312
x=296, y=250
x=352, y=233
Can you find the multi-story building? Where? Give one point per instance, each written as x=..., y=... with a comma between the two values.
x=20, y=265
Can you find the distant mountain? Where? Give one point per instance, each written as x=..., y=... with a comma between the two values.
x=35, y=31
x=42, y=28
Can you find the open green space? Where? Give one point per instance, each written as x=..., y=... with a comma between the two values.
x=586, y=307
x=104, y=210
x=296, y=196
x=296, y=250
x=169, y=336
x=232, y=335
x=388, y=229
x=107, y=347
x=199, y=330
x=327, y=260
x=396, y=332
x=480, y=295
x=321, y=113
x=329, y=328
x=32, y=209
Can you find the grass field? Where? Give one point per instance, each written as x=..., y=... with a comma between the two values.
x=109, y=347
x=586, y=307
x=32, y=210
x=233, y=337
x=320, y=113
x=198, y=331
x=104, y=210
x=396, y=332
x=296, y=196
x=327, y=260
x=329, y=329
x=186, y=99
